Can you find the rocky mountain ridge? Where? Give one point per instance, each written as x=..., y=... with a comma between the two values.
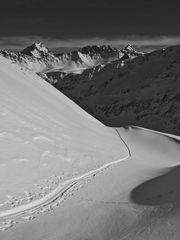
x=38, y=58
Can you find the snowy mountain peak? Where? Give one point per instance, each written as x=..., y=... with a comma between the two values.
x=129, y=48
x=38, y=58
x=41, y=47
x=37, y=50
x=129, y=52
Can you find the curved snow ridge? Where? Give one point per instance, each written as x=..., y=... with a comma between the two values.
x=157, y=132
x=60, y=190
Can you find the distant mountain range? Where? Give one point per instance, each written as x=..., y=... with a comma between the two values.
x=40, y=59
x=118, y=87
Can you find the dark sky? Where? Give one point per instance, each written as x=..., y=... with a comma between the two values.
x=83, y=19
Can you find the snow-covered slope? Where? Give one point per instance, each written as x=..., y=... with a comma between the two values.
x=46, y=139
x=45, y=135
x=136, y=199
x=143, y=91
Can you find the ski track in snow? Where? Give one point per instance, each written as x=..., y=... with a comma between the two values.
x=53, y=196
x=46, y=203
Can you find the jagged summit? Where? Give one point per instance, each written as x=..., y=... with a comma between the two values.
x=90, y=56
x=97, y=49
x=129, y=48
x=37, y=50
x=129, y=52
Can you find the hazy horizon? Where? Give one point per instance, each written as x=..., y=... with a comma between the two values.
x=73, y=24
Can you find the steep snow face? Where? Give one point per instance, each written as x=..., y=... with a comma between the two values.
x=43, y=133
x=143, y=91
